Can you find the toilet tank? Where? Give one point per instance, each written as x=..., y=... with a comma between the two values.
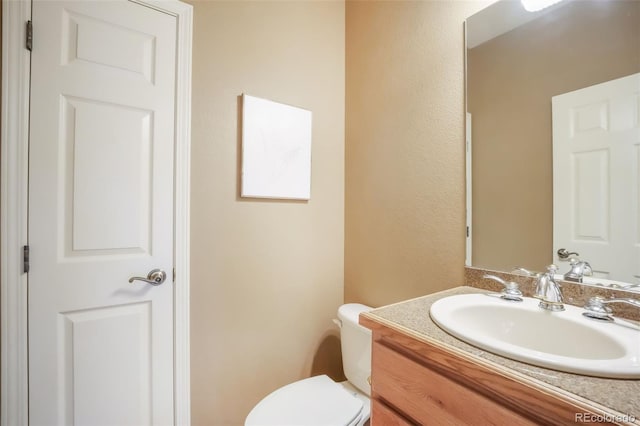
x=356, y=346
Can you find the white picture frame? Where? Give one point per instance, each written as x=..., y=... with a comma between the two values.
x=276, y=150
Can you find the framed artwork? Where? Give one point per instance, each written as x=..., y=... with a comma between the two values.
x=276, y=150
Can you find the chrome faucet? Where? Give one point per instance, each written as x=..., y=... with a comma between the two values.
x=548, y=291
x=579, y=268
x=595, y=307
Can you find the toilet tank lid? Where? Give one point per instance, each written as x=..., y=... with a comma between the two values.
x=351, y=311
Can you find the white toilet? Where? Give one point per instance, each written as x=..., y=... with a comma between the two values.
x=319, y=401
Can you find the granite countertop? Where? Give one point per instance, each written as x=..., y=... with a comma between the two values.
x=412, y=317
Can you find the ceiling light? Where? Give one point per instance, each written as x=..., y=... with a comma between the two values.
x=536, y=5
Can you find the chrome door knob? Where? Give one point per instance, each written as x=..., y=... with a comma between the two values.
x=155, y=277
x=563, y=253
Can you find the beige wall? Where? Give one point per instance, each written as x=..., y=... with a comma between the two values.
x=267, y=276
x=405, y=206
x=511, y=81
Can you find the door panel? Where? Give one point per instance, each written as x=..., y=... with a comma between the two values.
x=106, y=43
x=590, y=184
x=104, y=138
x=101, y=211
x=90, y=355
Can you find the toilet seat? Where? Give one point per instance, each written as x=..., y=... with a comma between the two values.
x=316, y=401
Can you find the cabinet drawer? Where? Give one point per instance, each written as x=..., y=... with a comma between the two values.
x=428, y=397
x=381, y=415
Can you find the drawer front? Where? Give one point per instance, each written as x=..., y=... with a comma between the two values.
x=428, y=397
x=381, y=415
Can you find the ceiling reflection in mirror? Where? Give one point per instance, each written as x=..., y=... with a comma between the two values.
x=517, y=62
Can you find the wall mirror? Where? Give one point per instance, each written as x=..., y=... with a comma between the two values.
x=555, y=138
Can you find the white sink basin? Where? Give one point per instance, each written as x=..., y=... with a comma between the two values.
x=565, y=341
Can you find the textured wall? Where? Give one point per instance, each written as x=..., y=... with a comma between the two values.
x=267, y=276
x=405, y=206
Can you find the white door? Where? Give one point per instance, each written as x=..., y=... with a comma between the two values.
x=596, y=164
x=101, y=211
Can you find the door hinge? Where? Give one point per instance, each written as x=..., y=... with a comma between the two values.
x=29, y=41
x=467, y=232
x=25, y=259
x=174, y=275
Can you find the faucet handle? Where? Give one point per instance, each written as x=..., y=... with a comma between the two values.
x=586, y=267
x=579, y=269
x=511, y=290
x=595, y=307
x=526, y=272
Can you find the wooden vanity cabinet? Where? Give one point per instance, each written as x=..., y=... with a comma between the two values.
x=417, y=383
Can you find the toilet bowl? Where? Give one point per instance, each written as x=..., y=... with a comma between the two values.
x=320, y=401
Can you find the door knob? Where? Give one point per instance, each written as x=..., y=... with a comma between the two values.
x=564, y=253
x=155, y=277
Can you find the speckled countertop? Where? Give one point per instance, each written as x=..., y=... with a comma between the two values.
x=412, y=317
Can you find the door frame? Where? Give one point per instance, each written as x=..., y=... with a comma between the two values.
x=14, y=167
x=469, y=190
